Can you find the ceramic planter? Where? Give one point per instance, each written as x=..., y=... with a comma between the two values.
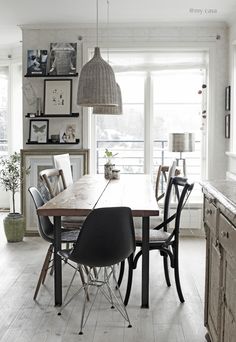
x=108, y=170
x=14, y=226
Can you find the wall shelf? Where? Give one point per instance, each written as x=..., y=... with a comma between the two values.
x=52, y=143
x=38, y=75
x=73, y=115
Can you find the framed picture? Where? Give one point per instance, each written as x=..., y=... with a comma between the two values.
x=227, y=98
x=227, y=126
x=67, y=134
x=57, y=97
x=37, y=62
x=63, y=58
x=38, y=131
x=38, y=160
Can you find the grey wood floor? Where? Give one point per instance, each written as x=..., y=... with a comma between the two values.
x=23, y=320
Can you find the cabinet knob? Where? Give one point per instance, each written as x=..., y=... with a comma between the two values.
x=209, y=212
x=225, y=234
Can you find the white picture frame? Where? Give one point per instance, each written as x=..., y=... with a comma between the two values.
x=39, y=159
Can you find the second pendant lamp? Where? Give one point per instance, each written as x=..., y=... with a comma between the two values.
x=97, y=85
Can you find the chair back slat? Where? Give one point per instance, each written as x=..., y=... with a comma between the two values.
x=53, y=180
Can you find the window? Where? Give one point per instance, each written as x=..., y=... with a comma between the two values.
x=177, y=109
x=124, y=134
x=160, y=96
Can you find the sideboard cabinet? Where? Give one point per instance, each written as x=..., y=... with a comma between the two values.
x=220, y=280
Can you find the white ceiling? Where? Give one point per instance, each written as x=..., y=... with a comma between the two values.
x=42, y=12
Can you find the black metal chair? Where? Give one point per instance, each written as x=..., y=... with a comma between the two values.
x=167, y=242
x=106, y=239
x=45, y=229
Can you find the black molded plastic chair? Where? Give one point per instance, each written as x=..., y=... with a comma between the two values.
x=166, y=242
x=45, y=229
x=106, y=239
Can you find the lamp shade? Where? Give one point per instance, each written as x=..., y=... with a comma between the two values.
x=97, y=84
x=111, y=109
x=181, y=142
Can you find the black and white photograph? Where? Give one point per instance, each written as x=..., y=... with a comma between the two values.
x=63, y=58
x=38, y=131
x=67, y=134
x=57, y=97
x=37, y=62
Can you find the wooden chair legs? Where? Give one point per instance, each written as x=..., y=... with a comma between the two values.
x=44, y=270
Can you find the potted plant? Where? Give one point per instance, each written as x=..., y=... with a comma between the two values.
x=10, y=178
x=109, y=166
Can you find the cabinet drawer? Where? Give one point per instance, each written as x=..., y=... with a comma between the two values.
x=210, y=214
x=227, y=235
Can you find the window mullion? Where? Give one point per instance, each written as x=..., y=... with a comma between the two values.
x=148, y=123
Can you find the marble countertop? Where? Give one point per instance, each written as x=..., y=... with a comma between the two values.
x=224, y=191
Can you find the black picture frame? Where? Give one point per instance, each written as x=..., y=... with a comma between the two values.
x=58, y=97
x=227, y=98
x=38, y=131
x=227, y=126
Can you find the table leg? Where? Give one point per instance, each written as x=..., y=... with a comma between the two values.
x=57, y=262
x=145, y=263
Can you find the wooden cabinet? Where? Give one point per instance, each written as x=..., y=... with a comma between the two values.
x=220, y=280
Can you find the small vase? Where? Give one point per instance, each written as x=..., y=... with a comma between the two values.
x=14, y=227
x=108, y=170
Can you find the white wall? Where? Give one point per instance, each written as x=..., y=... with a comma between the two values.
x=231, y=146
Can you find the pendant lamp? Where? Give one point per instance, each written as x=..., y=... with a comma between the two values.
x=110, y=110
x=97, y=85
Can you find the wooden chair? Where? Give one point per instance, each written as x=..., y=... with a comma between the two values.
x=164, y=174
x=54, y=182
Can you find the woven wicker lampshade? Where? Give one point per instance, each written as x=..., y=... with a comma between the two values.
x=111, y=110
x=97, y=84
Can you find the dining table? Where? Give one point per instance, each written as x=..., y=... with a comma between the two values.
x=94, y=191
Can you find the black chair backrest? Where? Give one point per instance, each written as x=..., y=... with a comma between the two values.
x=184, y=190
x=174, y=190
x=106, y=238
x=45, y=226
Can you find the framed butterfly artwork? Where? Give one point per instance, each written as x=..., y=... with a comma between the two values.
x=38, y=131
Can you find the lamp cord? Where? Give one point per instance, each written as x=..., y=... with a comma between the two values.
x=108, y=36
x=97, y=23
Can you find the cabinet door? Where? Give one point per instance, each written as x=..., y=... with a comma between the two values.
x=213, y=287
x=229, y=327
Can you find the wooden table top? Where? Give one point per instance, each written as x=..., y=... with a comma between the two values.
x=94, y=191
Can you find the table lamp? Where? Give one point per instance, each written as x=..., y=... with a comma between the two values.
x=181, y=142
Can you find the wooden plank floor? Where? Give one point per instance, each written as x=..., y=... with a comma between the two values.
x=23, y=320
